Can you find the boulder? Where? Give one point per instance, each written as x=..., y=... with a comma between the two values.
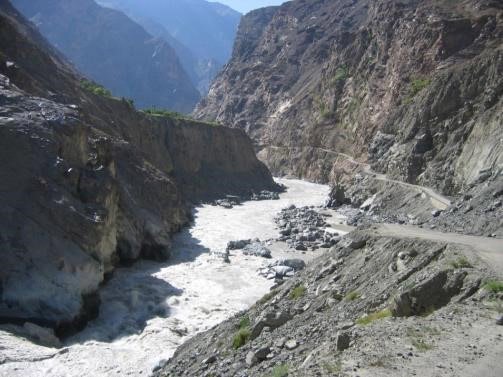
x=257, y=249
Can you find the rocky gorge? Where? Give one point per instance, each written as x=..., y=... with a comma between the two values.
x=88, y=182
x=148, y=243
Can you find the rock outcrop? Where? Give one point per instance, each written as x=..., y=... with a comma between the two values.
x=413, y=87
x=113, y=50
x=87, y=182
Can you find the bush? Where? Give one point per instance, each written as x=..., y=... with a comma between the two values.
x=341, y=74
x=461, y=262
x=297, y=292
x=352, y=296
x=240, y=339
x=244, y=322
x=494, y=286
x=164, y=113
x=279, y=371
x=95, y=88
x=374, y=317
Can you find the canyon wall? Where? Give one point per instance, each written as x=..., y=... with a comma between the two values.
x=88, y=182
x=413, y=87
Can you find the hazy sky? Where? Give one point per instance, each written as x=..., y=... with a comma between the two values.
x=245, y=6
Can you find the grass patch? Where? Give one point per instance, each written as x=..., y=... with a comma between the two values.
x=352, y=296
x=165, y=113
x=298, y=292
x=416, y=85
x=417, y=338
x=244, y=322
x=421, y=344
x=279, y=371
x=374, y=317
x=341, y=74
x=241, y=337
x=95, y=88
x=494, y=286
x=267, y=297
x=333, y=368
x=461, y=262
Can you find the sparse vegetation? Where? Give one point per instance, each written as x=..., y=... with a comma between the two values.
x=341, y=74
x=416, y=85
x=461, y=262
x=165, y=113
x=241, y=337
x=244, y=322
x=417, y=339
x=421, y=344
x=298, y=292
x=333, y=367
x=352, y=296
x=494, y=286
x=279, y=371
x=266, y=297
x=374, y=317
x=95, y=88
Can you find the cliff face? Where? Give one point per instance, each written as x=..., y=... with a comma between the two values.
x=110, y=48
x=87, y=182
x=413, y=87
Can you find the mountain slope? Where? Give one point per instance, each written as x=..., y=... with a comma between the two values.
x=113, y=50
x=206, y=29
x=88, y=182
x=413, y=87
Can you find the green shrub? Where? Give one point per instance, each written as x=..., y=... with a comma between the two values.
x=461, y=262
x=297, y=292
x=165, y=113
x=341, y=74
x=241, y=337
x=266, y=297
x=494, y=286
x=352, y=296
x=417, y=85
x=279, y=371
x=95, y=88
x=244, y=322
x=374, y=317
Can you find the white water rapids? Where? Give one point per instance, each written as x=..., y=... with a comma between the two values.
x=149, y=309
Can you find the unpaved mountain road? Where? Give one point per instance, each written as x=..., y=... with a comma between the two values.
x=489, y=249
x=437, y=200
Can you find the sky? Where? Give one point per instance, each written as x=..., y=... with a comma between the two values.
x=244, y=6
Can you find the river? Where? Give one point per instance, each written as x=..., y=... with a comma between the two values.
x=149, y=309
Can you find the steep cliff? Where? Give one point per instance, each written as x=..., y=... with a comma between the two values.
x=413, y=87
x=112, y=49
x=87, y=181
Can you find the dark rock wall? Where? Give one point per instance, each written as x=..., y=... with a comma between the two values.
x=87, y=182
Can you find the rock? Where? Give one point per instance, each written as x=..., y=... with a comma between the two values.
x=210, y=360
x=343, y=340
x=291, y=344
x=280, y=343
x=296, y=264
x=282, y=271
x=42, y=335
x=499, y=321
x=237, y=245
x=272, y=319
x=436, y=212
x=257, y=249
x=254, y=357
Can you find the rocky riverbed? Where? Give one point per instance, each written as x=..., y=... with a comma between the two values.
x=149, y=309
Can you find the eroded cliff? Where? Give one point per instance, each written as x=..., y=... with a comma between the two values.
x=87, y=181
x=413, y=87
